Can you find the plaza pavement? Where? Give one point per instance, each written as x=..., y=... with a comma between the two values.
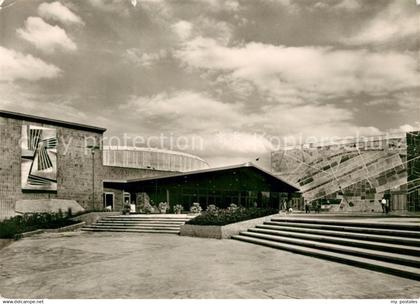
x=122, y=265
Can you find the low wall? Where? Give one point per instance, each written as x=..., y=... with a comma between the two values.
x=221, y=232
x=47, y=205
x=67, y=228
x=61, y=229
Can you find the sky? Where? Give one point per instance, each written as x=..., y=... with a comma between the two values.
x=226, y=80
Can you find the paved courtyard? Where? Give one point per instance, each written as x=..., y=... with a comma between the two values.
x=112, y=265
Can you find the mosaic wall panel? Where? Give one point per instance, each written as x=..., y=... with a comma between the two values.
x=356, y=171
x=39, y=158
x=413, y=159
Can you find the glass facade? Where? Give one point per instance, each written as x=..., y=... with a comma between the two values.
x=413, y=171
x=356, y=174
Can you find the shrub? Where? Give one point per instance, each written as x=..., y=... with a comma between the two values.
x=147, y=208
x=163, y=207
x=212, y=208
x=223, y=217
x=11, y=228
x=60, y=214
x=232, y=207
x=178, y=208
x=196, y=208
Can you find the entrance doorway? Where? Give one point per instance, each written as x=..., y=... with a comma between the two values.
x=109, y=200
x=127, y=198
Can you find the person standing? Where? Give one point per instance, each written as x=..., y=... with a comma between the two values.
x=384, y=206
x=307, y=208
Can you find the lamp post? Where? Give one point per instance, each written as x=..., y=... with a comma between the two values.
x=92, y=151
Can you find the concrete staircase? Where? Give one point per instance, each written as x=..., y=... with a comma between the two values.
x=141, y=223
x=392, y=248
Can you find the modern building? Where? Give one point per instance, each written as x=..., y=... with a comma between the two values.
x=149, y=158
x=45, y=163
x=354, y=174
x=44, y=160
x=246, y=185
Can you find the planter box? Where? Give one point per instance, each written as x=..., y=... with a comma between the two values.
x=221, y=232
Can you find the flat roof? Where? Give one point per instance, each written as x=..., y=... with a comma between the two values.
x=196, y=172
x=50, y=121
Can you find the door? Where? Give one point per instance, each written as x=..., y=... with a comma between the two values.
x=109, y=201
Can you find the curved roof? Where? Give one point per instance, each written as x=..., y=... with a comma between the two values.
x=145, y=149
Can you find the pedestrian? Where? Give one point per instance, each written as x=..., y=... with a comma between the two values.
x=383, y=204
x=307, y=208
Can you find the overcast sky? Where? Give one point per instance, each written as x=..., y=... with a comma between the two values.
x=237, y=73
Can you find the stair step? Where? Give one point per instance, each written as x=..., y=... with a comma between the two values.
x=367, y=253
x=135, y=227
x=138, y=224
x=391, y=268
x=348, y=241
x=345, y=234
x=134, y=217
x=353, y=223
x=143, y=220
x=393, y=232
x=130, y=230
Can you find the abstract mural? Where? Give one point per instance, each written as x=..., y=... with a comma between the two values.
x=39, y=158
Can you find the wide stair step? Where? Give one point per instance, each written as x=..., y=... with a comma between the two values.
x=96, y=229
x=391, y=268
x=387, y=247
x=140, y=223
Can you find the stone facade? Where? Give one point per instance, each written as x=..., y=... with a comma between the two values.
x=74, y=166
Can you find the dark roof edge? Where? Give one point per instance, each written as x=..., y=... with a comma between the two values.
x=61, y=123
x=244, y=165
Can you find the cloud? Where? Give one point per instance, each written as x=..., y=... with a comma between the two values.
x=185, y=110
x=182, y=29
x=304, y=72
x=211, y=28
x=230, y=131
x=397, y=21
x=405, y=128
x=402, y=101
x=205, y=27
x=45, y=37
x=347, y=5
x=227, y=5
x=58, y=12
x=159, y=8
x=15, y=65
x=145, y=59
